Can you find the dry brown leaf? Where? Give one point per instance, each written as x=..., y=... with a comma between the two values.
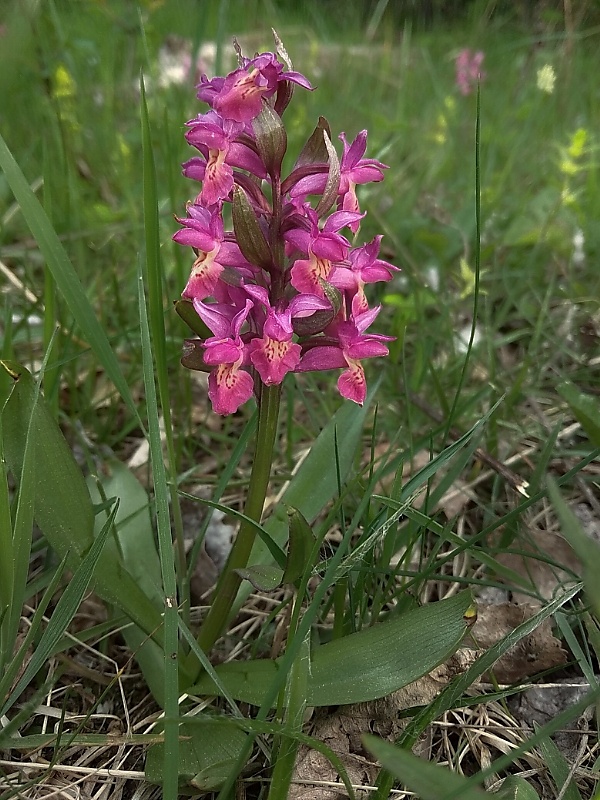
x=539, y=651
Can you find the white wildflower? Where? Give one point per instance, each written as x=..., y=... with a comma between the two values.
x=546, y=78
x=578, y=256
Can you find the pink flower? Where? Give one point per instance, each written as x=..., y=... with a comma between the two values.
x=283, y=291
x=229, y=385
x=203, y=230
x=364, y=267
x=239, y=96
x=275, y=354
x=468, y=70
x=346, y=346
x=354, y=170
x=217, y=140
x=324, y=247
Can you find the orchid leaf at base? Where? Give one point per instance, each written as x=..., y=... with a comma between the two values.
x=63, y=508
x=363, y=666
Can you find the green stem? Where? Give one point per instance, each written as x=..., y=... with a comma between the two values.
x=227, y=588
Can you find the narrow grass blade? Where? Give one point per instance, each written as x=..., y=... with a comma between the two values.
x=584, y=546
x=429, y=781
x=271, y=545
x=170, y=778
x=156, y=319
x=433, y=466
x=67, y=280
x=12, y=670
x=6, y=566
x=559, y=769
x=15, y=547
x=286, y=749
x=586, y=409
x=64, y=612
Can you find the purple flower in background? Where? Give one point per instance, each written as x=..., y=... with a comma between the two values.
x=283, y=290
x=468, y=70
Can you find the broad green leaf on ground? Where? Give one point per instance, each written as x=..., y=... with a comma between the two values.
x=63, y=508
x=133, y=525
x=452, y=695
x=429, y=781
x=363, y=666
x=208, y=749
x=137, y=549
x=585, y=408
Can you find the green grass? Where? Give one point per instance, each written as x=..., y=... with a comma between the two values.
x=70, y=100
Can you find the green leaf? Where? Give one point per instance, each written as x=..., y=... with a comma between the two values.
x=363, y=666
x=452, y=694
x=315, y=151
x=586, y=549
x=63, y=272
x=516, y=788
x=559, y=769
x=301, y=543
x=429, y=781
x=15, y=543
x=264, y=577
x=63, y=508
x=134, y=537
x=248, y=233
x=585, y=408
x=187, y=312
x=133, y=526
x=208, y=748
x=64, y=612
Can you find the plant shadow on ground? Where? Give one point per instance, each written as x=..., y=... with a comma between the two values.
x=482, y=520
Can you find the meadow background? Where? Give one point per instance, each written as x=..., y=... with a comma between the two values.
x=509, y=312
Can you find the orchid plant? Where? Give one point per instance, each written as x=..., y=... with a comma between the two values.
x=284, y=291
